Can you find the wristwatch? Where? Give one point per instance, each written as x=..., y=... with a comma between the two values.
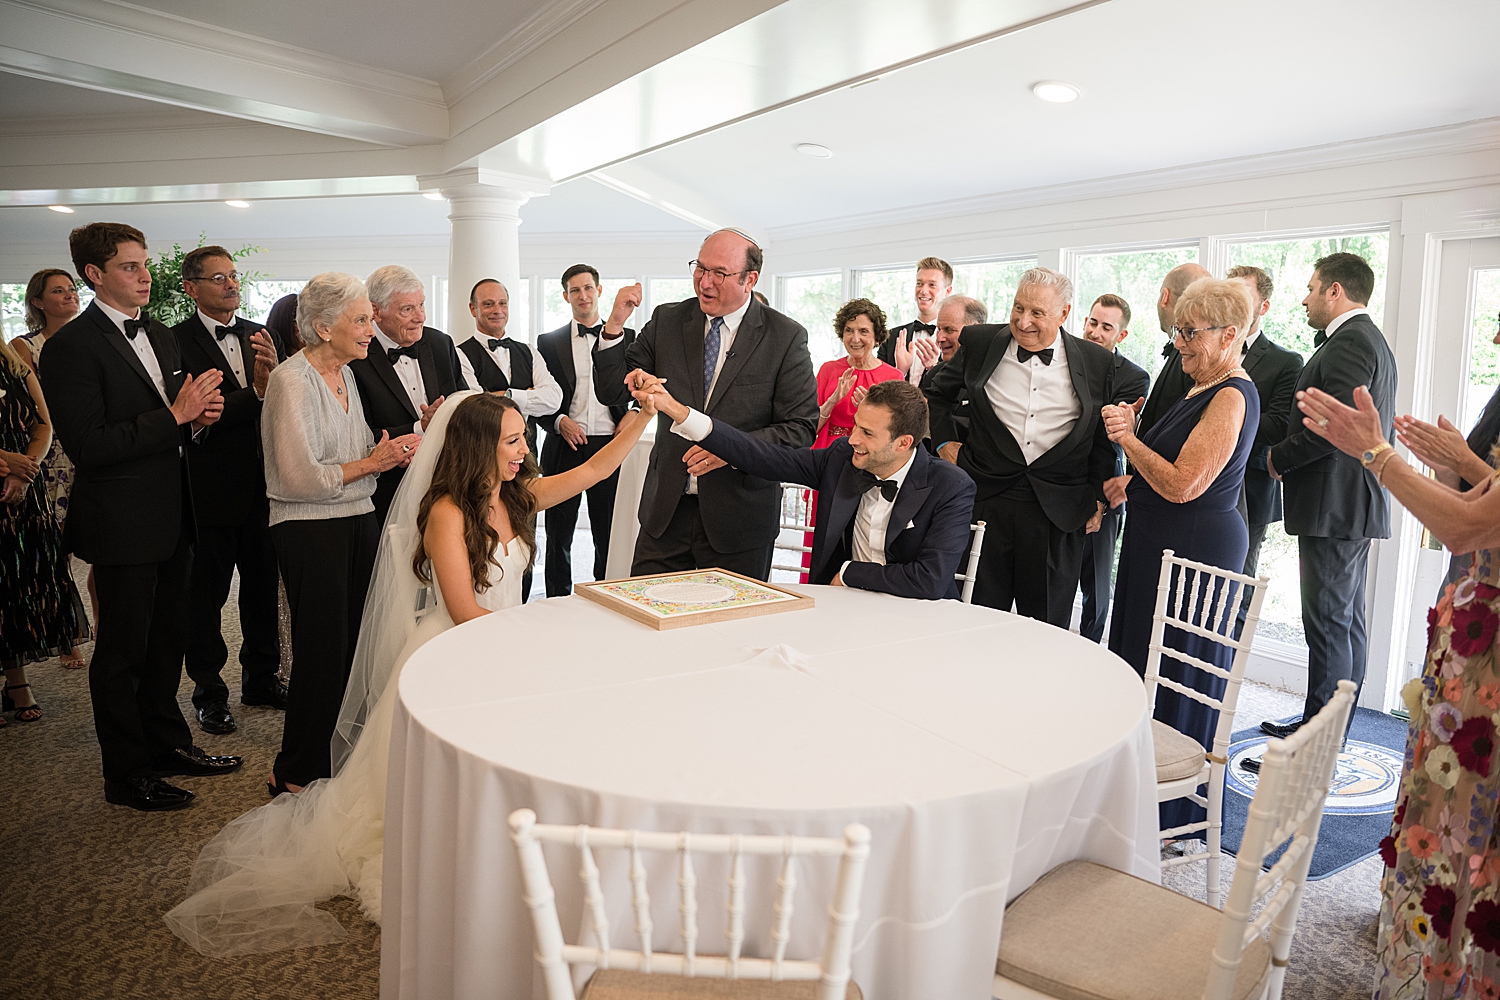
x=509, y=394
x=1371, y=455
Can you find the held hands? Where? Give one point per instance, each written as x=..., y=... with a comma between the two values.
x=570, y=432
x=655, y=391
x=1440, y=447
x=1114, y=489
x=1120, y=420
x=199, y=401
x=12, y=490
x=1351, y=431
x=19, y=465
x=390, y=452
x=430, y=410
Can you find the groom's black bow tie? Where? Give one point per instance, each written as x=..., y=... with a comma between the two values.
x=919, y=327
x=1319, y=339
x=1023, y=355
x=590, y=331
x=888, y=487
x=135, y=326
x=402, y=352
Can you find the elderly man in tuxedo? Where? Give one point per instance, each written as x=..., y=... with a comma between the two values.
x=1037, y=449
x=126, y=412
x=1334, y=505
x=229, y=496
x=1107, y=324
x=891, y=517
x=579, y=426
x=743, y=364
x=1171, y=382
x=410, y=368
x=1274, y=370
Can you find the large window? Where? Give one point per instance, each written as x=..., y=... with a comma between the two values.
x=1484, y=358
x=557, y=313
x=892, y=290
x=660, y=291
x=12, y=310
x=992, y=282
x=813, y=300
x=1135, y=276
x=257, y=297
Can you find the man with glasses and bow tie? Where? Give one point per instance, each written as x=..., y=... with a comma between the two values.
x=229, y=496
x=578, y=425
x=934, y=284
x=743, y=364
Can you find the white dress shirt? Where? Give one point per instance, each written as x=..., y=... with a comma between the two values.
x=1035, y=402
x=141, y=344
x=1341, y=319
x=544, y=396
x=914, y=373
x=1249, y=343
x=229, y=346
x=584, y=408
x=409, y=372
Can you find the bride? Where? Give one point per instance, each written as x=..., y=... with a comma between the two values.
x=464, y=521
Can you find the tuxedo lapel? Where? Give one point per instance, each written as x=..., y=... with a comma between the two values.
x=692, y=350
x=913, y=495
x=1257, y=351
x=428, y=366
x=116, y=340
x=567, y=373
x=842, y=509
x=210, y=345
x=168, y=359
x=982, y=410
x=752, y=328
x=381, y=362
x=992, y=359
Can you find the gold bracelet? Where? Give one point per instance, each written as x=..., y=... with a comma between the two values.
x=1381, y=471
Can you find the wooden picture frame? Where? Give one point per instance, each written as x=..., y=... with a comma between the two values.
x=751, y=598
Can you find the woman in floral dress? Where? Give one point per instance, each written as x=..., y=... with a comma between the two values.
x=1439, y=933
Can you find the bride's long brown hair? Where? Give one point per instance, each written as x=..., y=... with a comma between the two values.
x=466, y=473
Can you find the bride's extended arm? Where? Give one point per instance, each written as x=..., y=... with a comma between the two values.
x=444, y=542
x=552, y=490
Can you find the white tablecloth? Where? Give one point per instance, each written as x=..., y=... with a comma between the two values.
x=981, y=748
x=626, y=525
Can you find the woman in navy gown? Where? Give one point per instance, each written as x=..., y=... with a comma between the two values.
x=1184, y=494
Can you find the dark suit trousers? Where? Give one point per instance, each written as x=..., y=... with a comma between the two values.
x=1252, y=565
x=218, y=552
x=684, y=546
x=563, y=518
x=1098, y=566
x=137, y=662
x=1027, y=562
x=326, y=565
x=1333, y=615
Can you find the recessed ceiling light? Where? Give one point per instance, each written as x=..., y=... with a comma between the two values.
x=1055, y=91
x=433, y=195
x=236, y=203
x=64, y=209
x=813, y=149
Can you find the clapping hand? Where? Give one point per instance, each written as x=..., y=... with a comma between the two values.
x=390, y=452
x=1119, y=420
x=845, y=384
x=1352, y=431
x=199, y=401
x=430, y=410
x=265, y=360
x=927, y=351
x=1441, y=448
x=902, y=353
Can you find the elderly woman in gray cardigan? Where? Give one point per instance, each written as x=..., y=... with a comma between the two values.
x=321, y=464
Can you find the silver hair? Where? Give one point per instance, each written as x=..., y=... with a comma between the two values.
x=1050, y=279
x=975, y=312
x=385, y=283
x=323, y=300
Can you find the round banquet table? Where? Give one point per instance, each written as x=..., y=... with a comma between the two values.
x=981, y=748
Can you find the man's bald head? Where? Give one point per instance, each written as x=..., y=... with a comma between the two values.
x=1172, y=287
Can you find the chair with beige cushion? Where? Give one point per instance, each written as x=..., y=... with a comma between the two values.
x=1085, y=932
x=645, y=974
x=1205, y=604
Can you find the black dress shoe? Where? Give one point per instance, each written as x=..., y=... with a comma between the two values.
x=1278, y=730
x=149, y=794
x=1251, y=764
x=216, y=719
x=273, y=697
x=194, y=762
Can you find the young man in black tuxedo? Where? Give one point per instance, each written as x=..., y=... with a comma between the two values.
x=229, y=496
x=126, y=411
x=410, y=369
x=1334, y=505
x=1107, y=324
x=1036, y=451
x=1172, y=383
x=934, y=284
x=1274, y=370
x=740, y=362
x=579, y=425
x=891, y=517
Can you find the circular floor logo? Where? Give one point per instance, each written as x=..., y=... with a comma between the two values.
x=1365, y=780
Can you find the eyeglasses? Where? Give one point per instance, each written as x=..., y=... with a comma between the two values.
x=219, y=279
x=716, y=275
x=1187, y=333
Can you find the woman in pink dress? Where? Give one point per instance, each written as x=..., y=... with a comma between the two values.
x=842, y=384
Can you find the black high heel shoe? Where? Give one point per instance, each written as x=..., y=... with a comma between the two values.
x=8, y=704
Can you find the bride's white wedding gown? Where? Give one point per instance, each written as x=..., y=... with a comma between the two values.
x=255, y=885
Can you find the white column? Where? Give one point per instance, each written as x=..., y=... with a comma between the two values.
x=484, y=235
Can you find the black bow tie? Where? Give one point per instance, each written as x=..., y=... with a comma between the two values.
x=402, y=352
x=1167, y=349
x=1244, y=348
x=919, y=327
x=494, y=344
x=1023, y=355
x=888, y=487
x=1319, y=339
x=223, y=331
x=590, y=331
x=135, y=326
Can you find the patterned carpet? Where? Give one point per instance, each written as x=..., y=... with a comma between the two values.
x=88, y=882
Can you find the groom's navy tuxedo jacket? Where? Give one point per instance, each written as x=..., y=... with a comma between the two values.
x=929, y=526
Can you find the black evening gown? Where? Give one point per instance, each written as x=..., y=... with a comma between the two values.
x=1208, y=529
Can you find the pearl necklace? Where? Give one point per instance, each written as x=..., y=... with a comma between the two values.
x=1199, y=389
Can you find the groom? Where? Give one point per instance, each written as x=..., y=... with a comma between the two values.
x=890, y=517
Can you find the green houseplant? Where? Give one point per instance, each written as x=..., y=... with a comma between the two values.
x=169, y=303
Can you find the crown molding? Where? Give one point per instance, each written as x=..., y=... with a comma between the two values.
x=543, y=24
x=644, y=237
x=1478, y=136
x=164, y=120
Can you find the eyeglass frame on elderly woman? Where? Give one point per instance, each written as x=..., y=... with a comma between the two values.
x=718, y=276
x=1187, y=334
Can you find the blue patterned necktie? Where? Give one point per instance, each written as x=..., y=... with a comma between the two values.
x=711, y=354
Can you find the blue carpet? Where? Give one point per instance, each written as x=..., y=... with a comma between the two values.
x=1360, y=803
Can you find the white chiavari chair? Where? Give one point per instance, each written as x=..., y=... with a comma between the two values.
x=644, y=974
x=1206, y=605
x=971, y=566
x=796, y=514
x=1087, y=930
